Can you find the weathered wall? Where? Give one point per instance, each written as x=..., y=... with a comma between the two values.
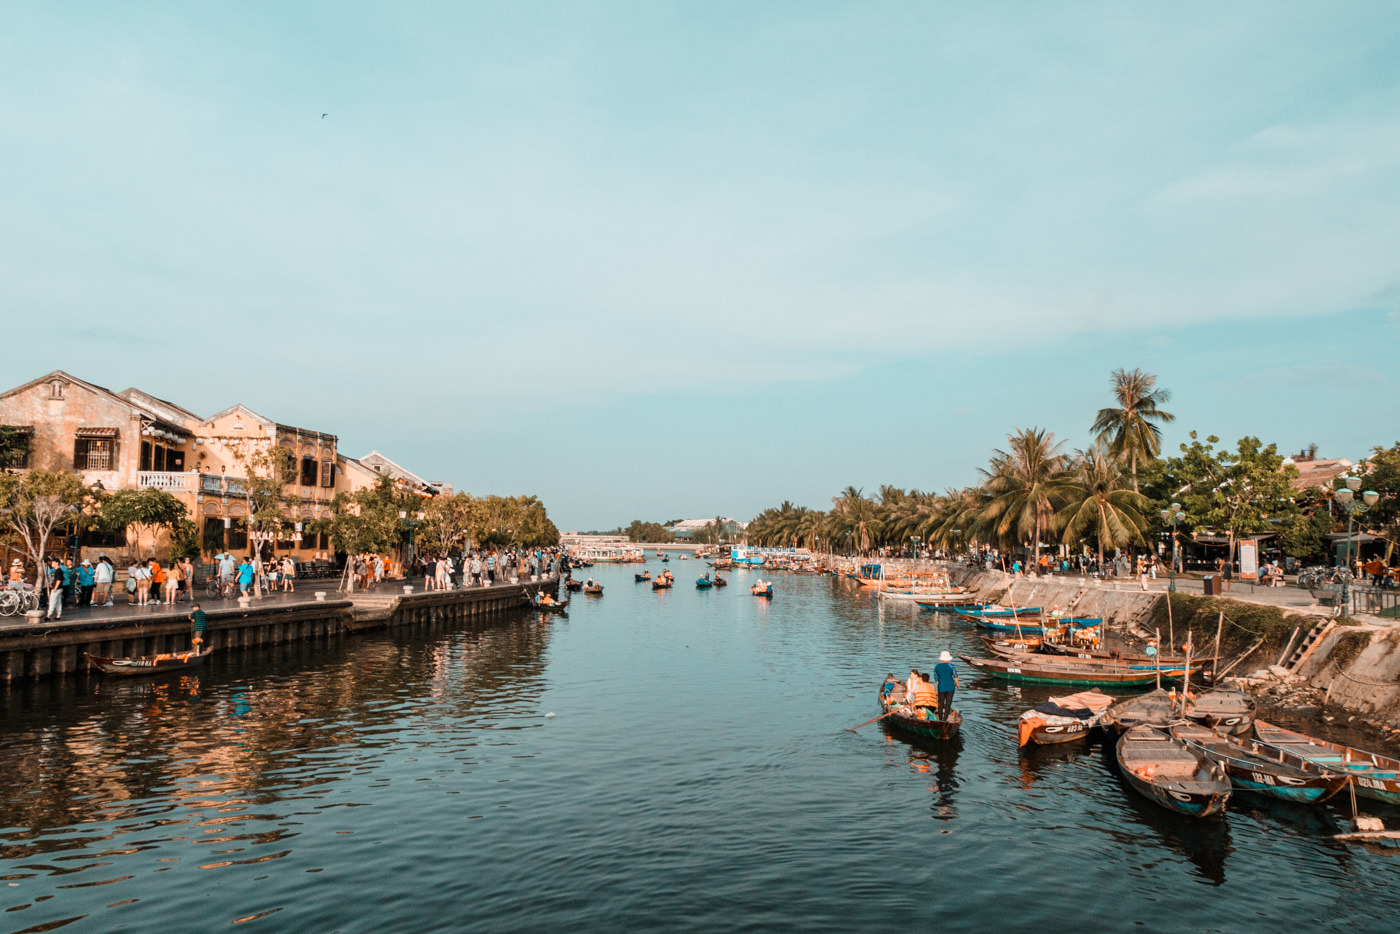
x=1121, y=610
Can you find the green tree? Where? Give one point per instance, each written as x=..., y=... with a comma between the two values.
x=1023, y=487
x=651, y=532
x=1381, y=472
x=35, y=502
x=1099, y=503
x=367, y=521
x=1127, y=429
x=1240, y=493
x=447, y=523
x=141, y=513
x=855, y=519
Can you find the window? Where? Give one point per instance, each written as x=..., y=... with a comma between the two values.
x=328, y=473
x=20, y=440
x=308, y=471
x=158, y=457
x=237, y=535
x=213, y=534
x=94, y=454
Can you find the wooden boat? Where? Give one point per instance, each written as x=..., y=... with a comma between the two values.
x=1252, y=766
x=1375, y=776
x=1012, y=645
x=148, y=664
x=952, y=601
x=703, y=583
x=1078, y=651
x=1168, y=772
x=661, y=583
x=1038, y=625
x=992, y=611
x=907, y=720
x=1045, y=670
x=644, y=576
x=558, y=606
x=1062, y=719
x=766, y=591
x=593, y=590
x=573, y=586
x=720, y=581
x=1155, y=708
x=1222, y=710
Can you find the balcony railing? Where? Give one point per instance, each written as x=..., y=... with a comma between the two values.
x=165, y=480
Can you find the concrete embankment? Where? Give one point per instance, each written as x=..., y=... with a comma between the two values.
x=35, y=651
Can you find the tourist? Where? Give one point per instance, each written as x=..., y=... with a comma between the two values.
x=55, y=584
x=226, y=564
x=157, y=578
x=143, y=582
x=476, y=569
x=200, y=623
x=104, y=574
x=246, y=572
x=172, y=584
x=86, y=582
x=187, y=576
x=289, y=573
x=16, y=571
x=378, y=569
x=491, y=567
x=945, y=682
x=133, y=581
x=70, y=582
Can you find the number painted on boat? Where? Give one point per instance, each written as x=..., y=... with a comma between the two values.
x=1261, y=779
x=1013, y=671
x=1370, y=783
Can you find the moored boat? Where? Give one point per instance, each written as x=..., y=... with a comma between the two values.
x=1225, y=711
x=1047, y=670
x=573, y=586
x=915, y=721
x=1252, y=766
x=995, y=611
x=1062, y=719
x=148, y=664
x=1168, y=772
x=1155, y=708
x=1375, y=776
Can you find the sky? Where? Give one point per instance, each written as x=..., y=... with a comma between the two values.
x=661, y=260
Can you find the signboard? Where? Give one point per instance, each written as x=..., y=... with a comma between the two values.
x=1249, y=560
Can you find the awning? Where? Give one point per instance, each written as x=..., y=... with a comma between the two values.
x=95, y=433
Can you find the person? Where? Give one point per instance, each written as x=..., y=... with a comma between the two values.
x=289, y=573
x=70, y=582
x=225, y=562
x=245, y=575
x=143, y=583
x=133, y=582
x=945, y=679
x=476, y=569
x=104, y=574
x=157, y=577
x=200, y=623
x=55, y=582
x=172, y=584
x=86, y=582
x=187, y=577
x=16, y=571
x=912, y=685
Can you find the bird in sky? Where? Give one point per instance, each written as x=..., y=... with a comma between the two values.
x=323, y=116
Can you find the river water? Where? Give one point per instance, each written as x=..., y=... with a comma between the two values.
x=652, y=761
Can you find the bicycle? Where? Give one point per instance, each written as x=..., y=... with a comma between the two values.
x=214, y=589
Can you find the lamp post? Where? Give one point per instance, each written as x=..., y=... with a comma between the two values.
x=1346, y=498
x=916, y=546
x=1173, y=516
x=418, y=517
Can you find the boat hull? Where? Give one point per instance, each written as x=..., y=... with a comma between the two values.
x=148, y=664
x=1026, y=670
x=1201, y=791
x=1375, y=776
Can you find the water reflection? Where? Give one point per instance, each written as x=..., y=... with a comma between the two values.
x=935, y=760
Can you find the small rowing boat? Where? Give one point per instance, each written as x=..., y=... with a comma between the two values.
x=1168, y=772
x=1062, y=719
x=1375, y=776
x=558, y=606
x=640, y=578
x=1253, y=766
x=1222, y=710
x=993, y=611
x=573, y=586
x=916, y=721
x=148, y=664
x=703, y=583
x=721, y=581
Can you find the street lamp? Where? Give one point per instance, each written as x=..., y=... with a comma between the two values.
x=418, y=517
x=1173, y=516
x=1346, y=499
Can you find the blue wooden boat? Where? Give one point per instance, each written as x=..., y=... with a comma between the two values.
x=907, y=720
x=1166, y=771
x=642, y=577
x=995, y=612
x=1375, y=776
x=1034, y=627
x=765, y=592
x=703, y=583
x=1252, y=766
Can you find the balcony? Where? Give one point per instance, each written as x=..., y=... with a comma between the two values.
x=221, y=486
x=165, y=480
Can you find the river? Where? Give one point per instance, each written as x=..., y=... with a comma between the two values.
x=653, y=761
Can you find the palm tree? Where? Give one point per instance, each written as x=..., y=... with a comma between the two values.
x=1098, y=501
x=1128, y=430
x=1023, y=487
x=855, y=515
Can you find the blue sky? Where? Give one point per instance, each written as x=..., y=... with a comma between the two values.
x=654, y=260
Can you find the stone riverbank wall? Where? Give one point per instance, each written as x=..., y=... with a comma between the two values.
x=1122, y=610
x=32, y=652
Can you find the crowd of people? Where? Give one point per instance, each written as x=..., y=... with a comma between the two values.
x=483, y=567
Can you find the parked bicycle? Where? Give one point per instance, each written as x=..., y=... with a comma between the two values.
x=15, y=600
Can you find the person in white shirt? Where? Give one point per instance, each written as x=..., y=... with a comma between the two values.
x=102, y=576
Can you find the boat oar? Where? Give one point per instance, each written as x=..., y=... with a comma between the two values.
x=881, y=717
